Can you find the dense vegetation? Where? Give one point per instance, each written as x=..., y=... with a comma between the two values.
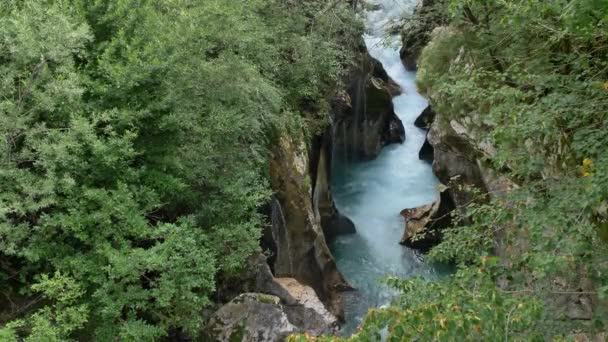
x=133, y=153
x=531, y=78
x=134, y=144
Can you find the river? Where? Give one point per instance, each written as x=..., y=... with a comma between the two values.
x=373, y=193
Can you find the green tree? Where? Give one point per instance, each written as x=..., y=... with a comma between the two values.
x=135, y=136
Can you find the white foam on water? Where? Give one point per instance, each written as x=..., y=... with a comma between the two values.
x=373, y=193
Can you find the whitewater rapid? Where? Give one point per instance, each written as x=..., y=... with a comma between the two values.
x=373, y=193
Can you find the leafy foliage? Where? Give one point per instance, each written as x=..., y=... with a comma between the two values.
x=466, y=307
x=134, y=143
x=532, y=75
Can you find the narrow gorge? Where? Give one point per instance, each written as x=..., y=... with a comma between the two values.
x=294, y=171
x=373, y=193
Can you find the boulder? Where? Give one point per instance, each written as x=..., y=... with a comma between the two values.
x=415, y=223
x=250, y=317
x=426, y=118
x=424, y=224
x=395, y=132
x=308, y=314
x=378, y=72
x=257, y=317
x=455, y=161
x=301, y=248
x=427, y=152
x=256, y=277
x=424, y=121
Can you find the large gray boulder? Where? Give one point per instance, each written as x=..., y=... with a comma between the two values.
x=255, y=277
x=250, y=317
x=424, y=224
x=308, y=313
x=268, y=318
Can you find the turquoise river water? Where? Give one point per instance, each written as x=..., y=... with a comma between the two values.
x=373, y=193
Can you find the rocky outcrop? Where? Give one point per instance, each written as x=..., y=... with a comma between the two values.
x=363, y=118
x=308, y=312
x=424, y=121
x=461, y=160
x=458, y=162
x=426, y=118
x=257, y=317
x=395, y=132
x=424, y=225
x=301, y=249
x=378, y=72
x=415, y=33
x=290, y=307
x=249, y=317
x=455, y=161
x=332, y=221
x=427, y=152
x=458, y=155
x=255, y=277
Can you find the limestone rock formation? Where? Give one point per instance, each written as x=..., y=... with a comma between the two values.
x=332, y=221
x=455, y=160
x=308, y=313
x=301, y=248
x=427, y=152
x=250, y=317
x=395, y=132
x=426, y=118
x=416, y=32
x=255, y=277
x=458, y=161
x=363, y=115
x=424, y=224
x=288, y=308
x=424, y=121
x=378, y=72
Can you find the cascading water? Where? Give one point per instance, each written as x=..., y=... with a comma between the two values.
x=373, y=193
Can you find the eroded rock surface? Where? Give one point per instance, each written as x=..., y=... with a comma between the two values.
x=424, y=224
x=395, y=132
x=426, y=118
x=332, y=221
x=363, y=118
x=416, y=32
x=309, y=313
x=260, y=317
x=250, y=317
x=301, y=248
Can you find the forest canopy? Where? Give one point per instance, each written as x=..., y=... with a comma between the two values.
x=133, y=153
x=133, y=161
